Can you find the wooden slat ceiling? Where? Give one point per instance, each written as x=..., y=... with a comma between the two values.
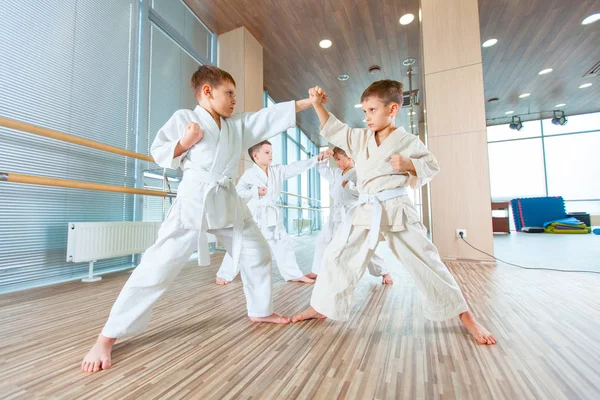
x=363, y=32
x=534, y=35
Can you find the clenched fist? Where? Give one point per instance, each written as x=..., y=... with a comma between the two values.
x=317, y=95
x=193, y=134
x=324, y=155
x=401, y=163
x=262, y=191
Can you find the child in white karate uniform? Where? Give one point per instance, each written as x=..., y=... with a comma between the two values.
x=206, y=143
x=262, y=185
x=343, y=192
x=388, y=159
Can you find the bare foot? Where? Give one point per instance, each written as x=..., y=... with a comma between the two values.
x=273, y=319
x=99, y=356
x=304, y=279
x=482, y=335
x=221, y=281
x=312, y=275
x=309, y=313
x=387, y=279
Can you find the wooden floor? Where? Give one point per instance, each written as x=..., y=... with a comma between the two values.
x=200, y=344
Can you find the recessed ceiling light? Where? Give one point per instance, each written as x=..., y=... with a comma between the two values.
x=325, y=43
x=545, y=71
x=364, y=120
x=560, y=105
x=490, y=42
x=509, y=112
x=406, y=19
x=343, y=77
x=358, y=105
x=591, y=19
x=585, y=85
x=524, y=95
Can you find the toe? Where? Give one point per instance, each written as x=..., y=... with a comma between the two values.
x=106, y=363
x=96, y=366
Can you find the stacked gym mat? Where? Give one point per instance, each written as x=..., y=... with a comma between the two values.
x=536, y=211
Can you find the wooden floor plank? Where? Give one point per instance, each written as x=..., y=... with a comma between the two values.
x=200, y=344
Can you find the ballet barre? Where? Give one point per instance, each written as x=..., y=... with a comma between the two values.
x=64, y=137
x=68, y=183
x=302, y=197
x=73, y=184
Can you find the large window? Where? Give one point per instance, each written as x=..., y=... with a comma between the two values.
x=86, y=68
x=544, y=159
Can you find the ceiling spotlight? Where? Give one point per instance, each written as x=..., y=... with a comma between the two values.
x=560, y=105
x=406, y=19
x=545, y=71
x=509, y=112
x=559, y=118
x=516, y=124
x=325, y=43
x=489, y=43
x=524, y=95
x=374, y=69
x=408, y=62
x=364, y=120
x=343, y=77
x=359, y=105
x=585, y=85
x=591, y=19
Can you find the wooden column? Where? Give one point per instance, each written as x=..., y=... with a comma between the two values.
x=456, y=128
x=240, y=54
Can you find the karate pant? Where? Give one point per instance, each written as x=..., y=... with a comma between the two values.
x=282, y=251
x=345, y=263
x=162, y=262
x=376, y=266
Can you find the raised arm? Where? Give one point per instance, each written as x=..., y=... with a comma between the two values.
x=271, y=121
x=332, y=129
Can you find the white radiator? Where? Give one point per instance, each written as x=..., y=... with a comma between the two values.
x=92, y=241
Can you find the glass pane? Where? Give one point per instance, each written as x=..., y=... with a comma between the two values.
x=503, y=132
x=516, y=169
x=576, y=123
x=277, y=147
x=590, y=207
x=573, y=166
x=304, y=141
x=185, y=22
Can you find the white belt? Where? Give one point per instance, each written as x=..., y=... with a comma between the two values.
x=262, y=217
x=376, y=211
x=215, y=183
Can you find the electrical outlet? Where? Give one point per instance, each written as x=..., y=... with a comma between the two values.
x=463, y=231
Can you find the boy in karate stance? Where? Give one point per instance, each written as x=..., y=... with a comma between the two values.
x=387, y=160
x=262, y=184
x=206, y=143
x=343, y=191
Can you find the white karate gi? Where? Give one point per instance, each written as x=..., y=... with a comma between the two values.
x=268, y=216
x=384, y=211
x=206, y=202
x=344, y=198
